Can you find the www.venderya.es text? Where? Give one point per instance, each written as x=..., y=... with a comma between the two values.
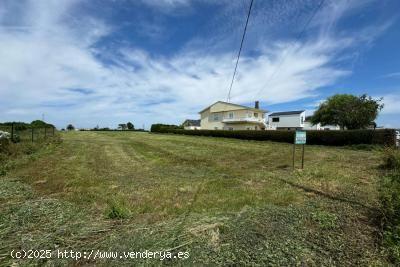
x=97, y=254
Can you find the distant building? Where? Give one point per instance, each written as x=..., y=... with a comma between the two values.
x=309, y=126
x=191, y=125
x=287, y=120
x=227, y=116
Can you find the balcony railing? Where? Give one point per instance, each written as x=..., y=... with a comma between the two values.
x=242, y=119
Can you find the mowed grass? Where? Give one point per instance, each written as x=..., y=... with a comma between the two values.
x=225, y=201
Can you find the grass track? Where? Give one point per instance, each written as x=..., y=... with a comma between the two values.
x=224, y=200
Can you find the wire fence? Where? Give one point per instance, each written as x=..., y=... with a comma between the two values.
x=28, y=134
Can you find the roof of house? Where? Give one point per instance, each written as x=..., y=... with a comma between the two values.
x=294, y=112
x=239, y=106
x=191, y=123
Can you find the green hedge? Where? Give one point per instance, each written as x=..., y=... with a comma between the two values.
x=164, y=127
x=331, y=138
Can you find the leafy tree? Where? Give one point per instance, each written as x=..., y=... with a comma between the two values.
x=40, y=124
x=348, y=111
x=122, y=126
x=130, y=126
x=70, y=127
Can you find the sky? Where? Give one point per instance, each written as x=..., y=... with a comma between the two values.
x=105, y=62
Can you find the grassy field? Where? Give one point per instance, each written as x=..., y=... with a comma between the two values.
x=223, y=200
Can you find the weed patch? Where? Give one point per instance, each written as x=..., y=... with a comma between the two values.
x=390, y=201
x=117, y=210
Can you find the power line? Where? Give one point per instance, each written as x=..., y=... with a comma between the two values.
x=297, y=38
x=240, y=51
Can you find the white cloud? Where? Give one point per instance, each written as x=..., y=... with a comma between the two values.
x=54, y=53
x=391, y=104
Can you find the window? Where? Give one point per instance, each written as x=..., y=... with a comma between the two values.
x=248, y=128
x=255, y=115
x=230, y=129
x=302, y=120
x=255, y=128
x=248, y=114
x=215, y=128
x=216, y=117
x=230, y=115
x=275, y=119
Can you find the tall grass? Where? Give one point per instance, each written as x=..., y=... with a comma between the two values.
x=11, y=152
x=390, y=200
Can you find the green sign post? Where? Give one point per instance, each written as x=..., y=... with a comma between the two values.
x=300, y=138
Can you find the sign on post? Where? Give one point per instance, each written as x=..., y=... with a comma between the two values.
x=300, y=138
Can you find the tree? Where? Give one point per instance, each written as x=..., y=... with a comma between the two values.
x=348, y=111
x=41, y=124
x=122, y=126
x=70, y=127
x=130, y=126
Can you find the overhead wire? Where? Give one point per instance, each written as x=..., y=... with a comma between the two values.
x=240, y=51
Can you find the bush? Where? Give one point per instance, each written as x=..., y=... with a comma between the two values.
x=332, y=138
x=391, y=159
x=158, y=127
x=390, y=205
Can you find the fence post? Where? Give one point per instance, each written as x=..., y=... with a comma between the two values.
x=12, y=132
x=32, y=134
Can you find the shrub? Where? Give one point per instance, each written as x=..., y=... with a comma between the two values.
x=4, y=145
x=158, y=127
x=332, y=138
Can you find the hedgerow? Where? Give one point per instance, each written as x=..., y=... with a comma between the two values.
x=332, y=138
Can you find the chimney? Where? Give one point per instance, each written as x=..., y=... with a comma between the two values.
x=257, y=105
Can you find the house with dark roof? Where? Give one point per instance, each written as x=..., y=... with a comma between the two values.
x=191, y=125
x=286, y=120
x=295, y=120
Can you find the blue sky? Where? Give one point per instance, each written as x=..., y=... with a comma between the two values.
x=105, y=62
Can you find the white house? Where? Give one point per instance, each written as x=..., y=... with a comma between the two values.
x=191, y=125
x=228, y=116
x=309, y=126
x=287, y=120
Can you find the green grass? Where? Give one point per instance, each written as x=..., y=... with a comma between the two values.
x=225, y=201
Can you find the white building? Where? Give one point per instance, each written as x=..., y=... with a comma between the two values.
x=191, y=125
x=309, y=126
x=287, y=120
x=295, y=120
x=228, y=116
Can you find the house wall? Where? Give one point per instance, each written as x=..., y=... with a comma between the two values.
x=220, y=107
x=207, y=122
x=192, y=127
x=309, y=126
x=241, y=126
x=287, y=121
